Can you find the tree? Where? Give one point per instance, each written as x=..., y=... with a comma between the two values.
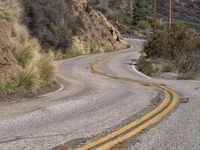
x=139, y=12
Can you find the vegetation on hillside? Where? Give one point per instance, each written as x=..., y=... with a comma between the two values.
x=180, y=49
x=139, y=20
x=48, y=21
x=71, y=27
x=29, y=70
x=67, y=28
x=185, y=10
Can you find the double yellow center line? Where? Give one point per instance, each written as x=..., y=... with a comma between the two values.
x=169, y=101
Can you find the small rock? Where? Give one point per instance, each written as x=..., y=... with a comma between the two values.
x=169, y=75
x=184, y=100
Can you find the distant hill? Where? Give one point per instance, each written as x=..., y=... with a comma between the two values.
x=185, y=10
x=112, y=7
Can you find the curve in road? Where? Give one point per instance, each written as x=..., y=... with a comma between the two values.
x=168, y=103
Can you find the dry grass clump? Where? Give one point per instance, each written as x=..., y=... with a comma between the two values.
x=24, y=53
x=45, y=68
x=10, y=10
x=35, y=69
x=7, y=88
x=28, y=80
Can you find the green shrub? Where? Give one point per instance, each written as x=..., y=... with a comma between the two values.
x=62, y=37
x=145, y=66
x=185, y=77
x=48, y=21
x=152, y=47
x=125, y=20
x=179, y=46
x=139, y=12
x=144, y=25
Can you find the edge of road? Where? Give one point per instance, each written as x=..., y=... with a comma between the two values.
x=134, y=66
x=115, y=137
x=54, y=92
x=169, y=102
x=138, y=72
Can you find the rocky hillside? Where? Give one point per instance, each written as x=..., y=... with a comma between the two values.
x=111, y=7
x=22, y=67
x=29, y=28
x=185, y=10
x=70, y=25
x=117, y=11
x=8, y=63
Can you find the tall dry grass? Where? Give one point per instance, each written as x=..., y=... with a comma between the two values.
x=36, y=70
x=45, y=68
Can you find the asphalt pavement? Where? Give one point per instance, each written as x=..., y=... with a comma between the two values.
x=91, y=104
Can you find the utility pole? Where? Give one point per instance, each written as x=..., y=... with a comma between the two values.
x=154, y=16
x=170, y=16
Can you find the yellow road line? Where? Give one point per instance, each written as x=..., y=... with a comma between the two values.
x=137, y=130
x=89, y=145
x=140, y=128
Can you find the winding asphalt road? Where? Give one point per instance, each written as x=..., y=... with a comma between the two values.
x=92, y=105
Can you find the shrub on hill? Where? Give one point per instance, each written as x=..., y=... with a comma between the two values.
x=47, y=20
x=180, y=46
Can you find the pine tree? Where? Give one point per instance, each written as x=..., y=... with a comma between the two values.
x=139, y=12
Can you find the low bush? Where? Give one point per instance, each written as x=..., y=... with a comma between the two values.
x=167, y=68
x=185, y=77
x=48, y=21
x=124, y=20
x=180, y=46
x=145, y=66
x=144, y=25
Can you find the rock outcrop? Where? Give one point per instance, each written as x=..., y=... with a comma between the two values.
x=95, y=32
x=112, y=7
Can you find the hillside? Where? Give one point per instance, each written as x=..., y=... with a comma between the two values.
x=188, y=11
x=185, y=10
x=70, y=26
x=8, y=64
x=119, y=12
x=113, y=7
x=30, y=29
x=23, y=70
